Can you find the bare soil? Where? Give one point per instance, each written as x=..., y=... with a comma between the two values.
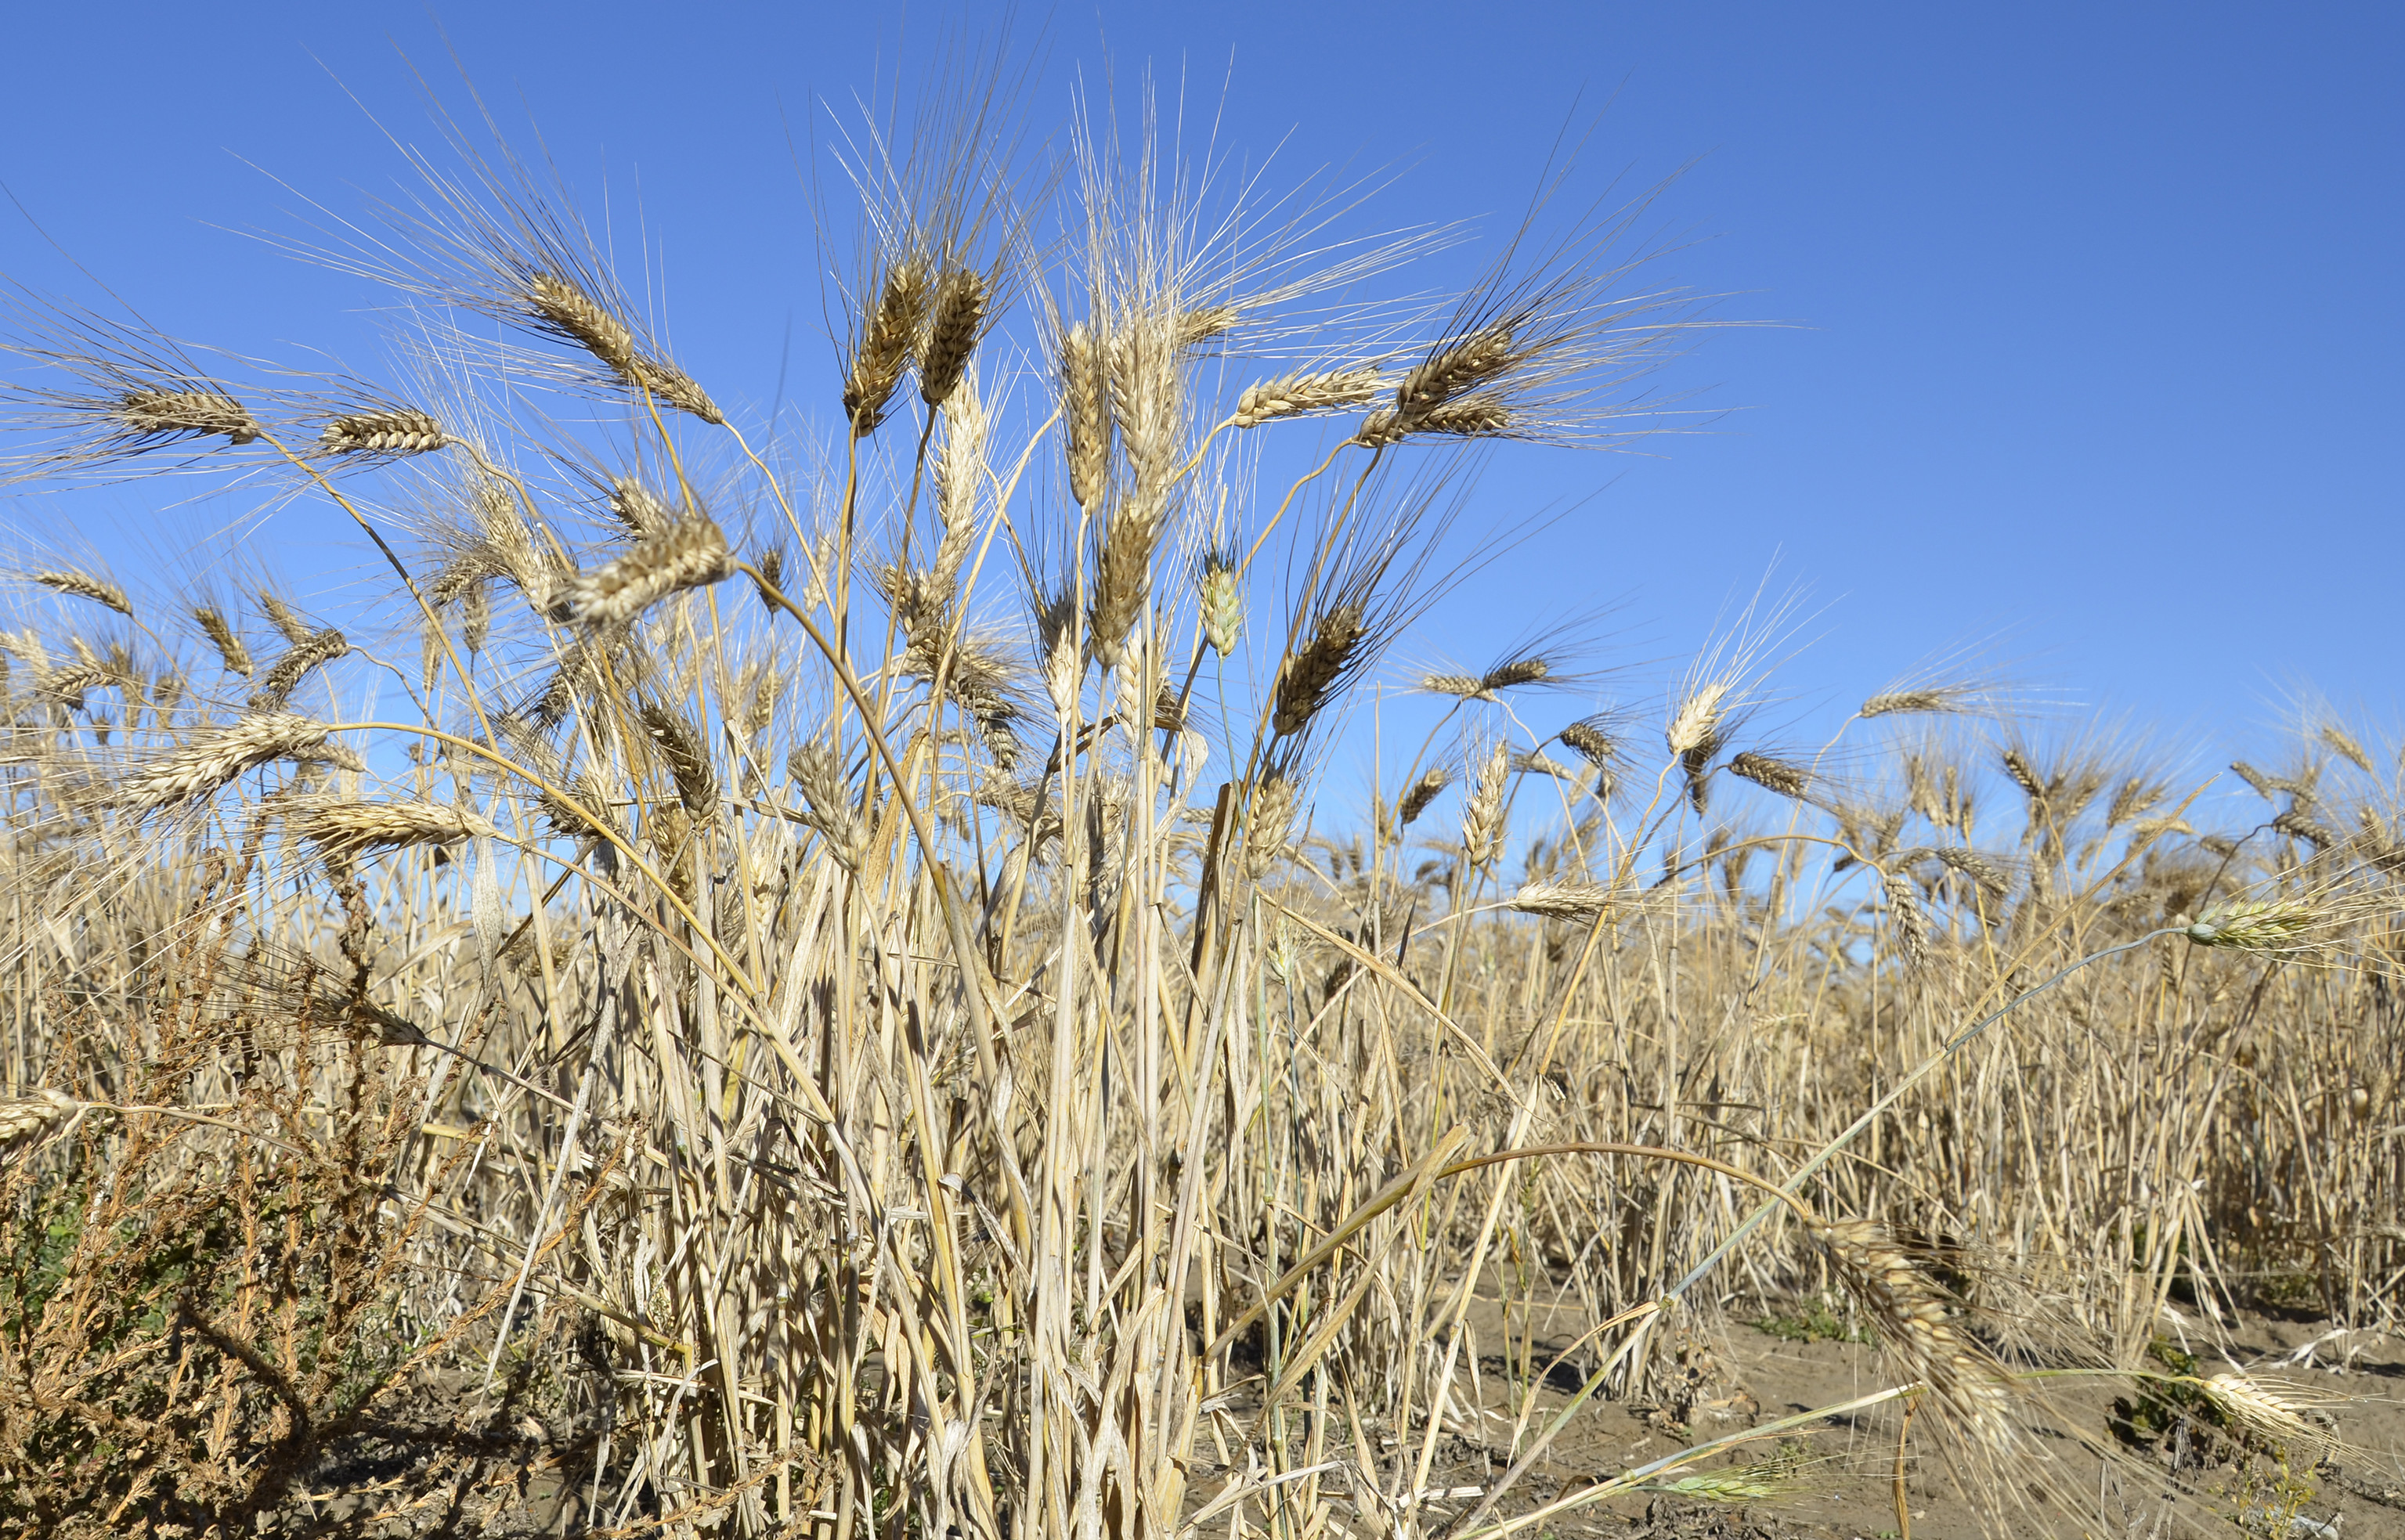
x=2077, y=1478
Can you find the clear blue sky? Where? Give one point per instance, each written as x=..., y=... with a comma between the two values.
x=2097, y=309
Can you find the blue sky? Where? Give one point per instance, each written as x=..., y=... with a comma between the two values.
x=2094, y=318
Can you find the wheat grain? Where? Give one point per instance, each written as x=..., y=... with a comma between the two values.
x=2265, y=786
x=290, y=625
x=1202, y=324
x=1910, y=920
x=1471, y=417
x=960, y=311
x=889, y=340
x=1695, y=726
x=2297, y=824
x=1122, y=585
x=67, y=686
x=689, y=766
x=2270, y=925
x=1424, y=791
x=637, y=507
x=212, y=757
x=1481, y=819
x=1772, y=775
x=2348, y=747
x=1086, y=423
x=690, y=553
x=2271, y=1415
x=563, y=308
x=817, y=771
x=1268, y=823
x=2136, y=798
x=1562, y=900
x=84, y=586
x=1449, y=369
x=1531, y=764
x=285, y=674
x=1311, y=673
x=1518, y=671
x=221, y=636
x=1591, y=740
x=1758, y=1482
x=26, y=1121
x=1914, y=1324
x=392, y=433
x=1219, y=600
x=346, y=830
x=146, y=415
x=1305, y=392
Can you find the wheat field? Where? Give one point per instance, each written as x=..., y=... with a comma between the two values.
x=814, y=972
